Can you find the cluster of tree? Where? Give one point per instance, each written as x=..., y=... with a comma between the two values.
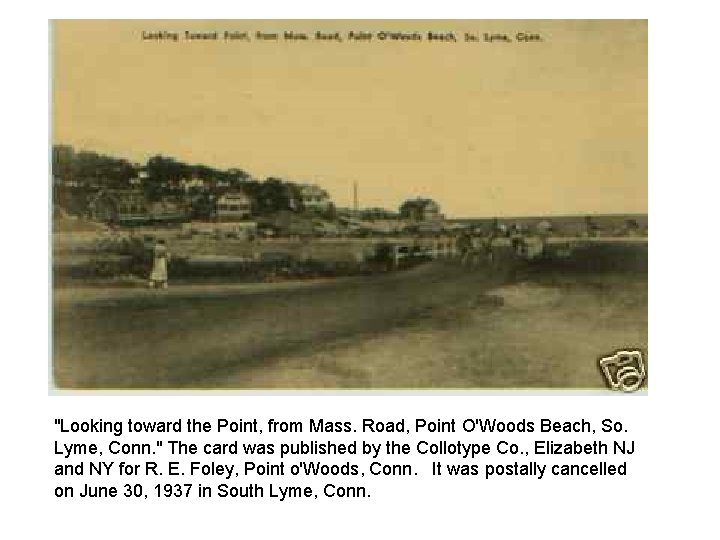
x=86, y=168
x=272, y=195
x=164, y=169
x=268, y=197
x=88, y=171
x=90, y=168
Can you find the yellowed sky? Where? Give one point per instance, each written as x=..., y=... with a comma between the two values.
x=554, y=127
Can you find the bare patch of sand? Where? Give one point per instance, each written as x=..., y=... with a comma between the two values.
x=535, y=336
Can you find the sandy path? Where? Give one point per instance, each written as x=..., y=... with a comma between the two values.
x=186, y=336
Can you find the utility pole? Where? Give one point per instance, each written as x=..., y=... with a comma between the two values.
x=355, y=197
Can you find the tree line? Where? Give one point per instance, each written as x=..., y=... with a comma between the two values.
x=87, y=172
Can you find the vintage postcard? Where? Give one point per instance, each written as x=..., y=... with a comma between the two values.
x=347, y=204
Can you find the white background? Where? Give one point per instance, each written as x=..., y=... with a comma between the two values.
x=672, y=489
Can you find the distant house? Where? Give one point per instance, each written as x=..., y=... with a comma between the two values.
x=186, y=184
x=420, y=210
x=167, y=210
x=314, y=197
x=119, y=206
x=130, y=206
x=233, y=206
x=141, y=176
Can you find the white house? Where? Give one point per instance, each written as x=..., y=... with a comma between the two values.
x=233, y=206
x=314, y=197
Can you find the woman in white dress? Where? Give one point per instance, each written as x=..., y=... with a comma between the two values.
x=158, y=275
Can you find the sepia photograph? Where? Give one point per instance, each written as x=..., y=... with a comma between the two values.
x=349, y=205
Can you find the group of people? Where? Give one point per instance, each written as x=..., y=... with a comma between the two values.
x=475, y=248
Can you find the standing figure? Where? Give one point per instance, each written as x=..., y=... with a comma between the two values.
x=591, y=229
x=488, y=247
x=544, y=229
x=159, y=275
x=517, y=239
x=464, y=246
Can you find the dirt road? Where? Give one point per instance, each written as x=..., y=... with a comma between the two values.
x=439, y=325
x=137, y=338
